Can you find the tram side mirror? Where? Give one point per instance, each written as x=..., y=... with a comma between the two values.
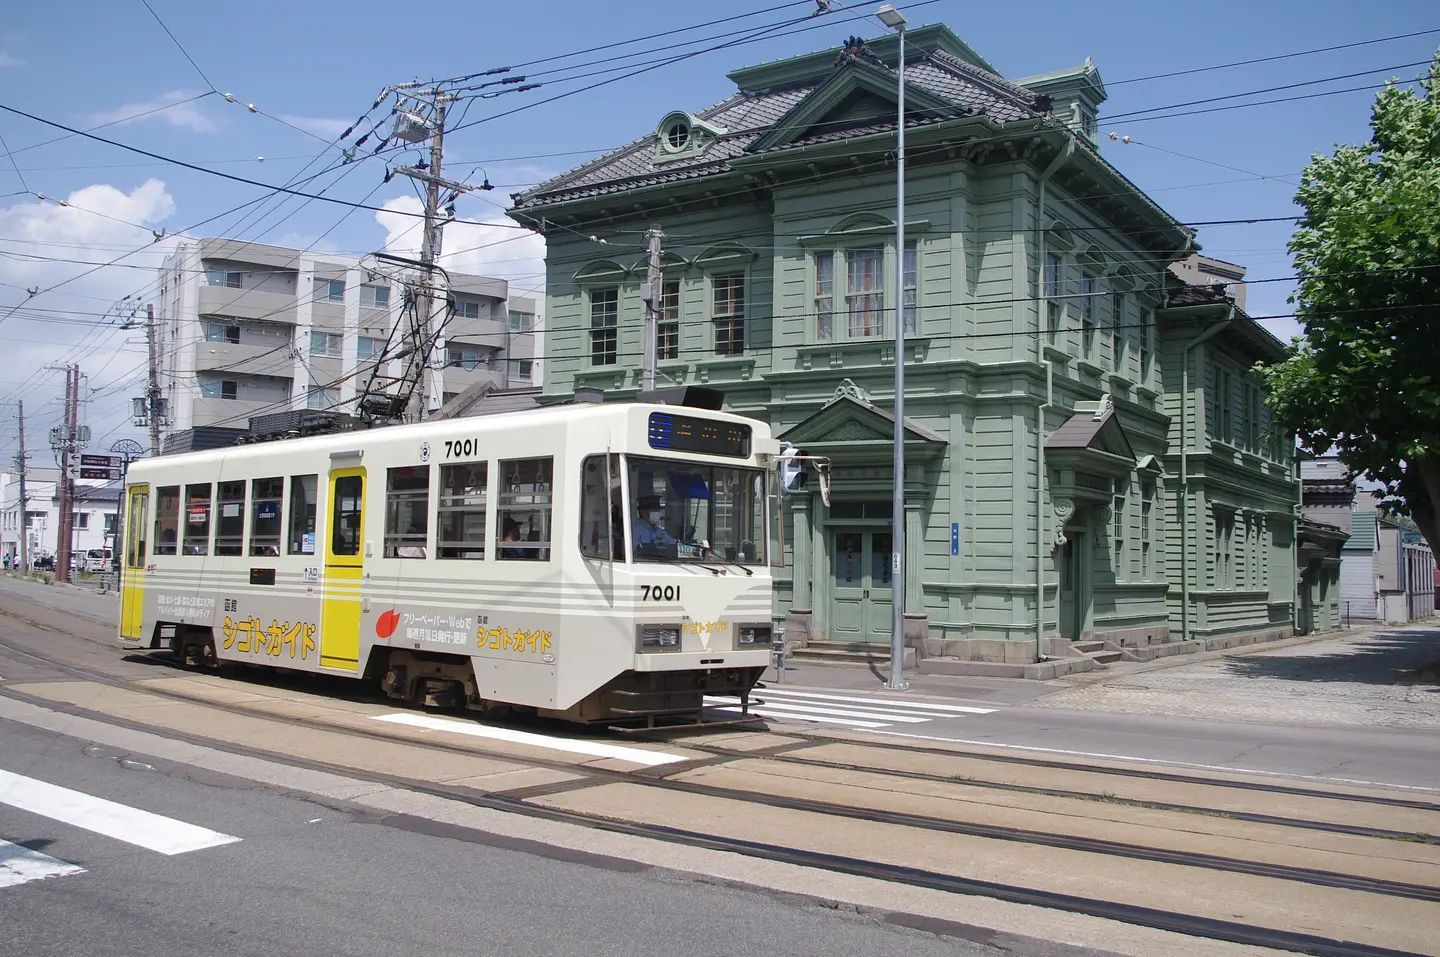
x=792, y=472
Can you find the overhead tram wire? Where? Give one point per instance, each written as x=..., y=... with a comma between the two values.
x=179, y=46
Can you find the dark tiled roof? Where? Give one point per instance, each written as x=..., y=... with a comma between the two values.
x=1197, y=295
x=747, y=117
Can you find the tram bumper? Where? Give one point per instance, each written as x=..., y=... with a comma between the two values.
x=702, y=660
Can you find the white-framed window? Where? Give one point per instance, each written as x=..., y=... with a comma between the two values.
x=369, y=347
x=467, y=309
x=728, y=313
x=1147, y=506
x=376, y=297
x=825, y=296
x=1117, y=529
x=219, y=388
x=910, y=288
x=1087, y=314
x=1227, y=406
x=330, y=290
x=525, y=368
x=466, y=357
x=1053, y=305
x=523, y=510
x=865, y=292
x=605, y=326
x=1146, y=346
x=1224, y=551
x=407, y=511
x=82, y=519
x=1117, y=332
x=325, y=344
x=222, y=332
x=228, y=278
x=322, y=398
x=519, y=321
x=464, y=490
x=667, y=326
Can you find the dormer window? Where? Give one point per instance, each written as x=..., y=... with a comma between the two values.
x=677, y=134
x=682, y=136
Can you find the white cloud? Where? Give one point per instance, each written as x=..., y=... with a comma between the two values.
x=177, y=107
x=321, y=126
x=8, y=60
x=490, y=248
x=42, y=244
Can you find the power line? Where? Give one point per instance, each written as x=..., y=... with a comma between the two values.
x=179, y=46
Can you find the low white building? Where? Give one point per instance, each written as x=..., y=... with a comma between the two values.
x=94, y=509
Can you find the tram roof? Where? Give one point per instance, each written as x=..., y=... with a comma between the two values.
x=557, y=415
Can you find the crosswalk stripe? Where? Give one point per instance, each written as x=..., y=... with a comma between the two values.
x=803, y=707
x=943, y=709
x=154, y=832
x=20, y=865
x=597, y=749
x=768, y=712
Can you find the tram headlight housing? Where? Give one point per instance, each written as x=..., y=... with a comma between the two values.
x=653, y=638
x=752, y=637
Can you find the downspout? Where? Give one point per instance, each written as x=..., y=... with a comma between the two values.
x=1185, y=469
x=1040, y=413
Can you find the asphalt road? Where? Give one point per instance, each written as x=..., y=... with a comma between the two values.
x=306, y=878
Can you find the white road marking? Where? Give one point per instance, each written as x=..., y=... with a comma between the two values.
x=597, y=749
x=154, y=832
x=887, y=702
x=20, y=865
x=768, y=712
x=1160, y=761
x=806, y=707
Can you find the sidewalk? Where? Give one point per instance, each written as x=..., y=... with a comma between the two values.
x=84, y=601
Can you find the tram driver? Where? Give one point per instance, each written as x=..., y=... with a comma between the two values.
x=650, y=534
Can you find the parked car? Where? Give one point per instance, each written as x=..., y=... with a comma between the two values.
x=44, y=563
x=98, y=559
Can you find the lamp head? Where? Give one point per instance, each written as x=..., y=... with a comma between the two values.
x=891, y=17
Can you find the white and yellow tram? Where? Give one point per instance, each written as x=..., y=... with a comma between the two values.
x=591, y=562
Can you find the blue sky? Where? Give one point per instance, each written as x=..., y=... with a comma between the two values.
x=319, y=65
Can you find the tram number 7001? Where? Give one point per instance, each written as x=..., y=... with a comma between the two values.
x=659, y=592
x=456, y=447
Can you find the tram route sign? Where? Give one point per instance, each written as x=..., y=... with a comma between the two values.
x=101, y=461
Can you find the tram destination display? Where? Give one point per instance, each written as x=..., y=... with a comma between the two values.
x=683, y=433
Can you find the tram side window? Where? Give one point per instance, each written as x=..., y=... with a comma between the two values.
x=407, y=509
x=345, y=515
x=462, y=510
x=197, y=519
x=266, y=497
x=167, y=519
x=230, y=518
x=139, y=520
x=302, y=515
x=602, y=529
x=523, y=512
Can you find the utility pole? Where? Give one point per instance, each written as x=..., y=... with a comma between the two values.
x=654, y=296
x=64, y=440
x=151, y=409
x=418, y=363
x=152, y=385
x=20, y=463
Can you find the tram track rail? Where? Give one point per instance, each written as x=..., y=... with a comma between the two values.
x=522, y=802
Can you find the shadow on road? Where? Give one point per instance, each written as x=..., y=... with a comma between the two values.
x=1382, y=658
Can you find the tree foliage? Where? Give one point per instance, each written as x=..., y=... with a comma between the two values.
x=1367, y=253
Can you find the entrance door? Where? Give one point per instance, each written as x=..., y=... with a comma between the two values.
x=132, y=582
x=862, y=595
x=1073, y=596
x=344, y=571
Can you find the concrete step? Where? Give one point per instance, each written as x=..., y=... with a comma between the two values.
x=1104, y=657
x=1086, y=647
x=843, y=652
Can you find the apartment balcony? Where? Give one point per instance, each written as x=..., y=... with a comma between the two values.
x=490, y=333
x=246, y=304
x=233, y=413
x=235, y=357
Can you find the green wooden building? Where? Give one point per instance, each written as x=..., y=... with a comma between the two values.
x=1047, y=498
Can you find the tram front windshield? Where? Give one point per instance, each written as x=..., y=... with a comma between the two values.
x=688, y=512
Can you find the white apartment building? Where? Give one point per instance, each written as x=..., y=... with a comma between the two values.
x=249, y=329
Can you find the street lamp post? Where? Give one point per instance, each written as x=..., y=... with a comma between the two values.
x=895, y=20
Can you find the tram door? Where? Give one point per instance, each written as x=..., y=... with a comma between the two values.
x=132, y=581
x=344, y=571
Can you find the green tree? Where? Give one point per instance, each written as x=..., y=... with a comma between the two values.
x=1367, y=252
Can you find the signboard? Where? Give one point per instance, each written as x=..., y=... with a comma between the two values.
x=954, y=538
x=101, y=461
x=107, y=474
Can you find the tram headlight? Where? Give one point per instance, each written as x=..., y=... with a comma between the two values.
x=751, y=637
x=659, y=638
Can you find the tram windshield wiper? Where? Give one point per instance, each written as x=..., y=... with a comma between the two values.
x=715, y=556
